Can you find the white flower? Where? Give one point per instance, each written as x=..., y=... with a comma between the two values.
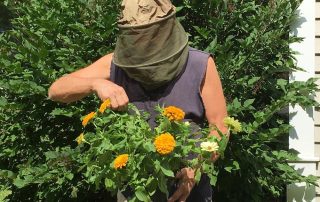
x=187, y=123
x=209, y=146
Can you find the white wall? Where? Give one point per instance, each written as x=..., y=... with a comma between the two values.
x=302, y=134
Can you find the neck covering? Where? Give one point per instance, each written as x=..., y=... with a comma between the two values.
x=152, y=45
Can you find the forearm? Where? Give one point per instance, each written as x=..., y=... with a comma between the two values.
x=218, y=125
x=69, y=89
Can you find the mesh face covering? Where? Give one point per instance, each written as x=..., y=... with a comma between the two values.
x=154, y=53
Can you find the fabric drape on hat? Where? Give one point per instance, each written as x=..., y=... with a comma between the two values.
x=153, y=54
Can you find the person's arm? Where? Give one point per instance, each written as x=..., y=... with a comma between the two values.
x=92, y=79
x=213, y=99
x=216, y=110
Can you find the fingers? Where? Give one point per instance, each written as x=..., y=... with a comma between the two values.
x=185, y=174
x=215, y=156
x=119, y=100
x=182, y=192
x=186, y=184
x=122, y=100
x=106, y=89
x=177, y=194
x=179, y=174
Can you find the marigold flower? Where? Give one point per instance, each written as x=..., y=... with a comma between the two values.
x=87, y=118
x=233, y=124
x=164, y=143
x=105, y=105
x=80, y=139
x=121, y=161
x=173, y=113
x=209, y=146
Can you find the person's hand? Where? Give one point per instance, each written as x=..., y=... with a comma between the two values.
x=214, y=156
x=106, y=89
x=186, y=184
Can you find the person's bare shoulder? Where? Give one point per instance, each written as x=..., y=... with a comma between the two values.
x=98, y=69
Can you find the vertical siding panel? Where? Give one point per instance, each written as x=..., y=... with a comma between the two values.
x=317, y=64
x=317, y=111
x=317, y=27
x=317, y=9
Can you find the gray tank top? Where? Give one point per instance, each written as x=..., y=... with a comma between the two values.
x=182, y=92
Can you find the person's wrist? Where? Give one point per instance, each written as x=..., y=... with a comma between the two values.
x=94, y=85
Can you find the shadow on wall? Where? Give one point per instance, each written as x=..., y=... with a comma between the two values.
x=293, y=133
x=300, y=192
x=297, y=23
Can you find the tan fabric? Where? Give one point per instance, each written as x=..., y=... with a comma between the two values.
x=140, y=12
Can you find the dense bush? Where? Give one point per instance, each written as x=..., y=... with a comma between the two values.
x=50, y=38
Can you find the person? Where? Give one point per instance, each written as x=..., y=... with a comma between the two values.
x=153, y=64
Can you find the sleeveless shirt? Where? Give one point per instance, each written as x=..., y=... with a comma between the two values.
x=182, y=92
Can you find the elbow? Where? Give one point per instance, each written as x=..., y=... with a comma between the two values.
x=54, y=93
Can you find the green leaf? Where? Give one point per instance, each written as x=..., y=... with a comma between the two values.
x=282, y=83
x=167, y=171
x=163, y=184
x=236, y=165
x=142, y=195
x=236, y=104
x=4, y=194
x=248, y=102
x=74, y=192
x=61, y=112
x=149, y=147
x=198, y=176
x=109, y=183
x=3, y=101
x=253, y=80
x=69, y=176
x=20, y=183
x=228, y=168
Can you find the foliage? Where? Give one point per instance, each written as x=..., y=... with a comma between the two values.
x=4, y=193
x=122, y=152
x=49, y=38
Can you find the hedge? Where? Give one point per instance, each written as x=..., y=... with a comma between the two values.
x=49, y=38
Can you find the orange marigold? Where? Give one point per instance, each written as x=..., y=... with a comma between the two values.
x=87, y=118
x=164, y=143
x=121, y=161
x=105, y=105
x=173, y=113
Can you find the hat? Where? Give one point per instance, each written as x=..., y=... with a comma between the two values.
x=140, y=12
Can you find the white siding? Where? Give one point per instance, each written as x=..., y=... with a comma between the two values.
x=302, y=136
x=316, y=114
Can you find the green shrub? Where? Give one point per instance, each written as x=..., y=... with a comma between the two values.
x=50, y=38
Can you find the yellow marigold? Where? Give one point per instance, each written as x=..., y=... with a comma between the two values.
x=80, y=139
x=87, y=118
x=233, y=124
x=105, y=105
x=164, y=143
x=173, y=113
x=121, y=161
